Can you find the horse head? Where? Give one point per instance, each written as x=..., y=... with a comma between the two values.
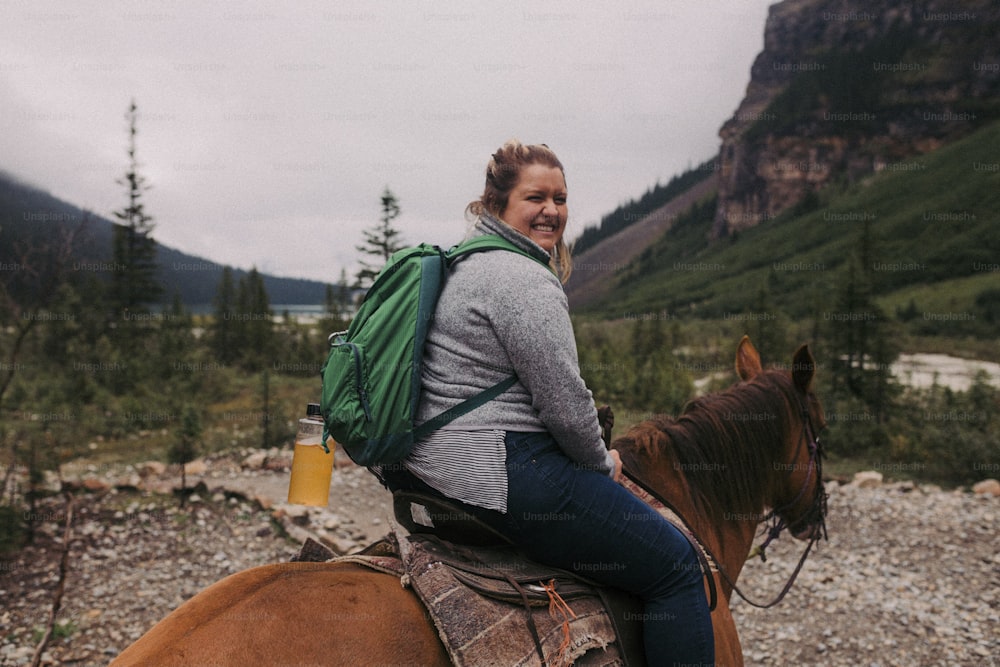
x=799, y=498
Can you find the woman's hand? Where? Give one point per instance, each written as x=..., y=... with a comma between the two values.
x=618, y=464
x=606, y=419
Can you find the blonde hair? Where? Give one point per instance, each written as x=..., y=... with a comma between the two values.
x=502, y=174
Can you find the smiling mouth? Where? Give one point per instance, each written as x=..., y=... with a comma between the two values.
x=545, y=226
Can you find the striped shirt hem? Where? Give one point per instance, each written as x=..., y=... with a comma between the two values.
x=469, y=466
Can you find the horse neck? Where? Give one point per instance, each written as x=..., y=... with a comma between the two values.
x=653, y=449
x=728, y=543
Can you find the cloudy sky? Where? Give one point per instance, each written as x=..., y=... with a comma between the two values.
x=268, y=130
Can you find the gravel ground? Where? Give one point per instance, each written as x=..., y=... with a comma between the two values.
x=909, y=575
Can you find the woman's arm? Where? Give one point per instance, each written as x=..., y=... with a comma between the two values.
x=530, y=315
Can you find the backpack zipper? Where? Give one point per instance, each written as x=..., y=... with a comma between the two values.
x=359, y=376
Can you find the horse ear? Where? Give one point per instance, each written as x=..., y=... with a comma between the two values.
x=747, y=359
x=803, y=368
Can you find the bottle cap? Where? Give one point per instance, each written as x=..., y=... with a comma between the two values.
x=312, y=410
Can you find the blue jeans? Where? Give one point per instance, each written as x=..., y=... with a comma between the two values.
x=581, y=520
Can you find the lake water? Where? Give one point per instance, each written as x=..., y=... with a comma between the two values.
x=304, y=312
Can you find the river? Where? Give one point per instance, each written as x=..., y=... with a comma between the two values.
x=922, y=370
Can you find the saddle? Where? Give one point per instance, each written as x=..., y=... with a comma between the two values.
x=490, y=604
x=422, y=513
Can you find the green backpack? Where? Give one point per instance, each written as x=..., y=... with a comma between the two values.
x=371, y=380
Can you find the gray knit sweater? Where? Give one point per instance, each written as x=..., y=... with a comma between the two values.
x=501, y=313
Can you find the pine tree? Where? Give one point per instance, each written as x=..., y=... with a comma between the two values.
x=185, y=445
x=381, y=241
x=860, y=335
x=331, y=307
x=343, y=296
x=176, y=337
x=252, y=321
x=134, y=282
x=265, y=419
x=224, y=343
x=25, y=294
x=337, y=299
x=766, y=325
x=656, y=382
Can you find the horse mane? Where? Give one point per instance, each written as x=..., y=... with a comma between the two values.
x=725, y=444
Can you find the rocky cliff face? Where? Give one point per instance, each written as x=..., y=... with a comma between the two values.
x=843, y=89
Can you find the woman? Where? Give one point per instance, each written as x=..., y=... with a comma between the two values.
x=532, y=463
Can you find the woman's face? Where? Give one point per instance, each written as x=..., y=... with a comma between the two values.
x=537, y=205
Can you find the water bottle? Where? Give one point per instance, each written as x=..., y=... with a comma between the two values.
x=312, y=462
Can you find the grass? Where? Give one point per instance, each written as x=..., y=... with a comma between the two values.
x=232, y=420
x=59, y=631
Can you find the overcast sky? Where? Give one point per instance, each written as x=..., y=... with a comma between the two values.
x=268, y=130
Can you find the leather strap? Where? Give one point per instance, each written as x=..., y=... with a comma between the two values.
x=705, y=559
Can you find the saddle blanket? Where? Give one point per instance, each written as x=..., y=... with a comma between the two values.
x=480, y=600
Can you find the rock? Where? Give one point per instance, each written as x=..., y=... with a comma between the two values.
x=157, y=486
x=867, y=479
x=94, y=485
x=151, y=469
x=51, y=482
x=278, y=464
x=255, y=461
x=196, y=467
x=987, y=487
x=23, y=653
x=297, y=514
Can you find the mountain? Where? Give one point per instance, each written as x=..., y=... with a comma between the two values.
x=932, y=254
x=844, y=89
x=858, y=119
x=30, y=217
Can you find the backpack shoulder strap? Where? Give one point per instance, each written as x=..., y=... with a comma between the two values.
x=466, y=406
x=475, y=244
x=489, y=242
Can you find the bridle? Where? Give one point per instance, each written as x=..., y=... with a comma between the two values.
x=816, y=514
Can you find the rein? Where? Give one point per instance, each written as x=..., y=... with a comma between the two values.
x=778, y=524
x=706, y=561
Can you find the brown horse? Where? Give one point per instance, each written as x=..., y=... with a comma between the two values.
x=719, y=465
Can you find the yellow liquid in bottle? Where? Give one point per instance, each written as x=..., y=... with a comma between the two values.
x=310, y=478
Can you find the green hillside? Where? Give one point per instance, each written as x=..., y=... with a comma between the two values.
x=934, y=224
x=634, y=210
